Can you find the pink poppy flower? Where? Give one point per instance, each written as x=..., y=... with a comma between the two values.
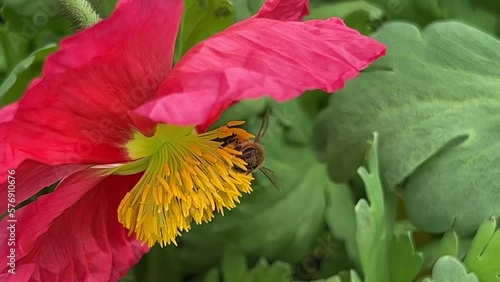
x=125, y=132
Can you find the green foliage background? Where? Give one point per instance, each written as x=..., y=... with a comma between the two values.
x=391, y=179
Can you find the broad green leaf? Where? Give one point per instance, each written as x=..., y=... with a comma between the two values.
x=16, y=83
x=277, y=272
x=332, y=279
x=482, y=14
x=234, y=265
x=234, y=268
x=159, y=265
x=213, y=275
x=245, y=110
x=449, y=244
x=357, y=14
x=130, y=277
x=201, y=19
x=29, y=7
x=344, y=276
x=277, y=225
x=355, y=277
x=450, y=269
x=103, y=7
x=28, y=26
x=437, y=248
x=15, y=46
x=374, y=222
x=421, y=12
x=244, y=9
x=405, y=262
x=328, y=258
x=33, y=24
x=343, y=9
x=335, y=263
x=5, y=50
x=401, y=227
x=340, y=217
x=312, y=102
x=483, y=257
x=435, y=100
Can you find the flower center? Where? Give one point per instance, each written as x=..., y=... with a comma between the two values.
x=188, y=177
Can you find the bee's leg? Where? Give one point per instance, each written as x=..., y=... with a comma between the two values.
x=230, y=140
x=239, y=169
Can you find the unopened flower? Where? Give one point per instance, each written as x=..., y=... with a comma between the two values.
x=126, y=133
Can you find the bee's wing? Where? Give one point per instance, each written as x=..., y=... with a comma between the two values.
x=271, y=176
x=263, y=127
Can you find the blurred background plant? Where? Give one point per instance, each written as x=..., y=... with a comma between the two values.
x=424, y=206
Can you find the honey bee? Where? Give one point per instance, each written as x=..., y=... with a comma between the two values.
x=253, y=153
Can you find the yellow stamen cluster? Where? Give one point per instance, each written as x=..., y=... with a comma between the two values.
x=189, y=177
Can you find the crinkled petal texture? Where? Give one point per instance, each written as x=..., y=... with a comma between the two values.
x=30, y=176
x=284, y=10
x=73, y=233
x=77, y=111
x=260, y=57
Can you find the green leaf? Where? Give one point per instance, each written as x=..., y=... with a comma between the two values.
x=33, y=24
x=27, y=26
x=421, y=12
x=355, y=277
x=340, y=217
x=405, y=262
x=234, y=268
x=277, y=272
x=435, y=100
x=234, y=265
x=483, y=257
x=357, y=14
x=17, y=81
x=130, y=277
x=6, y=51
x=152, y=266
x=343, y=9
x=328, y=258
x=401, y=227
x=344, y=276
x=245, y=110
x=450, y=269
x=201, y=19
x=374, y=220
x=27, y=7
x=449, y=244
x=332, y=279
x=244, y=9
x=439, y=247
x=276, y=225
x=482, y=14
x=15, y=46
x=213, y=275
x=103, y=7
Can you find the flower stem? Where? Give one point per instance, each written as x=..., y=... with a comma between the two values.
x=82, y=11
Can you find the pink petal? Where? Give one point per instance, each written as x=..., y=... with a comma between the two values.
x=284, y=10
x=77, y=112
x=30, y=177
x=8, y=112
x=140, y=31
x=260, y=57
x=73, y=233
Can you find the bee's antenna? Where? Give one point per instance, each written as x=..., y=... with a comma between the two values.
x=264, y=126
